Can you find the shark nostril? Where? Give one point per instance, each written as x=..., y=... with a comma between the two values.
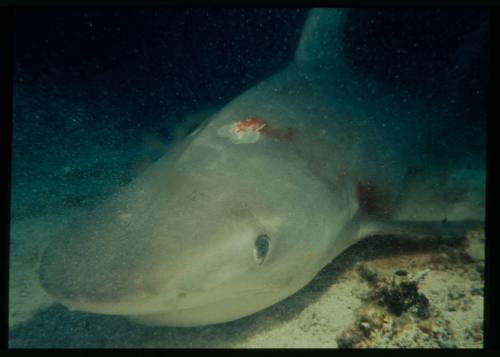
x=181, y=295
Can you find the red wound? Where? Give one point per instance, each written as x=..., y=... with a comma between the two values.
x=260, y=125
x=249, y=124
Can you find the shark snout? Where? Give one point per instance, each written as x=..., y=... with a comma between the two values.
x=61, y=281
x=98, y=282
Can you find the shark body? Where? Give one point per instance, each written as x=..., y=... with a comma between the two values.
x=247, y=209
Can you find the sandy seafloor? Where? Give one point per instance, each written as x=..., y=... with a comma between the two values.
x=353, y=302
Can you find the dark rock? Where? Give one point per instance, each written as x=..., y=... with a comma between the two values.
x=401, y=273
x=422, y=304
x=348, y=340
x=398, y=298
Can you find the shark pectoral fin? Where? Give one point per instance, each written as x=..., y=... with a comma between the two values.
x=446, y=230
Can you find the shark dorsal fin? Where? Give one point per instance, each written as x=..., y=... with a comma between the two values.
x=320, y=45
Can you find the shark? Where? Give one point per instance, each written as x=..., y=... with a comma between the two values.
x=247, y=209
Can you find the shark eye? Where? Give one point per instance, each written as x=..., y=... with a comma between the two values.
x=261, y=248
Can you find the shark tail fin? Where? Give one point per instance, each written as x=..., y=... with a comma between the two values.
x=320, y=45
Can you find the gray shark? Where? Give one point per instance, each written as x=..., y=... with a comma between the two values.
x=248, y=208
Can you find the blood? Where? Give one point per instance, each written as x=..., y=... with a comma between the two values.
x=249, y=124
x=256, y=124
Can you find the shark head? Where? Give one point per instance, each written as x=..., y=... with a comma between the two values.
x=208, y=234
x=230, y=221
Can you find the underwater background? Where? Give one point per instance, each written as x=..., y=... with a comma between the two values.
x=99, y=94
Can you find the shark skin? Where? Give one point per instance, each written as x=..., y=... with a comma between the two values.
x=247, y=209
